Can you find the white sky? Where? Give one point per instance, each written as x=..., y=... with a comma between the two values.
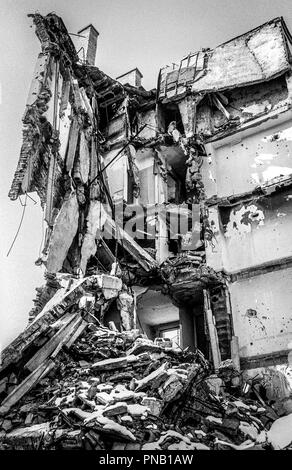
x=148, y=34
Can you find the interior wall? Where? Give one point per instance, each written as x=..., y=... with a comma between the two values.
x=244, y=103
x=147, y=117
x=244, y=161
x=261, y=308
x=145, y=164
x=258, y=232
x=155, y=308
x=251, y=233
x=116, y=172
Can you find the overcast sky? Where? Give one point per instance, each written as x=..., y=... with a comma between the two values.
x=148, y=34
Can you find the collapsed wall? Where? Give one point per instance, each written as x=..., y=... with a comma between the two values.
x=146, y=214
x=71, y=383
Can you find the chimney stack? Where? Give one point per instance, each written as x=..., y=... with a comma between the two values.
x=133, y=77
x=86, y=44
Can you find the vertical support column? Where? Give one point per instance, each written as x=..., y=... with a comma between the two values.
x=86, y=44
x=51, y=177
x=288, y=77
x=212, y=331
x=235, y=358
x=135, y=317
x=94, y=187
x=161, y=232
x=235, y=352
x=160, y=120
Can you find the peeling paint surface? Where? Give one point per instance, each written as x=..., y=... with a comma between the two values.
x=213, y=246
x=255, y=233
x=242, y=221
x=248, y=163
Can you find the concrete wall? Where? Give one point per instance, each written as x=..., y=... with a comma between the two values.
x=117, y=174
x=249, y=159
x=86, y=44
x=251, y=233
x=261, y=308
x=244, y=104
x=154, y=309
x=257, y=232
x=145, y=163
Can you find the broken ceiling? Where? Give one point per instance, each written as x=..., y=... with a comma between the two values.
x=256, y=56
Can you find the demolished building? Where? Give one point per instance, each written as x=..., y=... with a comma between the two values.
x=167, y=210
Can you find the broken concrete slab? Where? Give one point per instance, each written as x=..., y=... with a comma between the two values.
x=64, y=231
x=119, y=408
x=95, y=220
x=111, y=285
x=154, y=379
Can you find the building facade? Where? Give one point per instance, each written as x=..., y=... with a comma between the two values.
x=183, y=192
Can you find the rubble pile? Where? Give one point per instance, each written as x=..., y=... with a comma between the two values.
x=86, y=386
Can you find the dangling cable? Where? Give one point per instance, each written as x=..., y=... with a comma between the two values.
x=19, y=227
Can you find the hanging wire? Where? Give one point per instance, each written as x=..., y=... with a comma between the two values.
x=20, y=224
x=103, y=186
x=29, y=163
x=31, y=199
x=119, y=237
x=119, y=154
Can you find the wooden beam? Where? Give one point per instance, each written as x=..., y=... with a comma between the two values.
x=51, y=345
x=14, y=351
x=25, y=386
x=136, y=251
x=76, y=333
x=41, y=324
x=71, y=330
x=50, y=188
x=216, y=356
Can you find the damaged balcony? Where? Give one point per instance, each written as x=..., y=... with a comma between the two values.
x=186, y=276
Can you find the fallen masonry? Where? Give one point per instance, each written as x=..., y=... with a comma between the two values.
x=76, y=384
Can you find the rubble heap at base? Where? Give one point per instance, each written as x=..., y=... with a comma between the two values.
x=74, y=384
